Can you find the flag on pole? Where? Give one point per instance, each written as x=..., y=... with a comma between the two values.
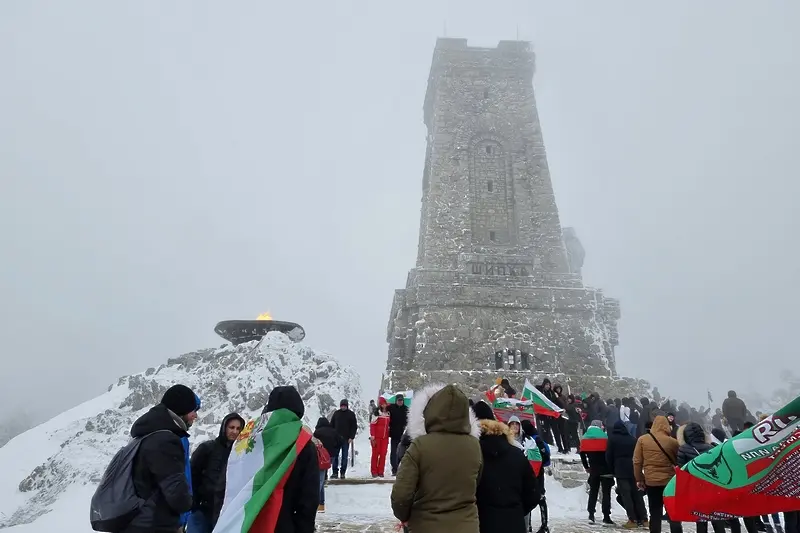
x=594, y=440
x=754, y=473
x=541, y=404
x=258, y=467
x=391, y=397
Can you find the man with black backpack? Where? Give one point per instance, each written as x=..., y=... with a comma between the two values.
x=209, y=465
x=161, y=466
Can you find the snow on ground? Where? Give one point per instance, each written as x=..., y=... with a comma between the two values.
x=351, y=504
x=70, y=514
x=361, y=503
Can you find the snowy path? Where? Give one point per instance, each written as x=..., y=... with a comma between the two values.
x=365, y=508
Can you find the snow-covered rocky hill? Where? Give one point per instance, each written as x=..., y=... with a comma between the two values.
x=48, y=473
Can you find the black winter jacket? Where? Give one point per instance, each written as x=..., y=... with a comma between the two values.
x=398, y=419
x=645, y=418
x=596, y=463
x=572, y=414
x=301, y=494
x=209, y=470
x=619, y=454
x=507, y=489
x=159, y=472
x=402, y=446
x=328, y=436
x=344, y=422
x=597, y=411
x=693, y=443
x=733, y=408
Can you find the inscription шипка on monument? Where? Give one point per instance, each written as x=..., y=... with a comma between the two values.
x=497, y=288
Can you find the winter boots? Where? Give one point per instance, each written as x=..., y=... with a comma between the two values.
x=321, y=508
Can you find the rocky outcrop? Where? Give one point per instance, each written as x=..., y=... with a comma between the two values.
x=227, y=379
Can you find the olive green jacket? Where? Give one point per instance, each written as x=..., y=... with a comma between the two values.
x=435, y=487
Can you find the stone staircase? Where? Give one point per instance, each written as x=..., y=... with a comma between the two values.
x=568, y=470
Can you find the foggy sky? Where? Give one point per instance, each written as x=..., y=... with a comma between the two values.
x=165, y=166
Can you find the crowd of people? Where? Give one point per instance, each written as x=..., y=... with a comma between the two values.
x=457, y=467
x=581, y=409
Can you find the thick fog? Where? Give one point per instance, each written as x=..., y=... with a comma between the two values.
x=169, y=165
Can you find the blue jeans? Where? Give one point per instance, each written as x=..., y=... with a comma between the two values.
x=322, y=486
x=198, y=523
x=345, y=449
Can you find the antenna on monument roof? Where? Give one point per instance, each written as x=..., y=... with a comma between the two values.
x=444, y=27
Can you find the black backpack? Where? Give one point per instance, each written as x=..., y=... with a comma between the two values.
x=115, y=502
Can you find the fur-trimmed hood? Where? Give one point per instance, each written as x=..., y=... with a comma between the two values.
x=493, y=427
x=692, y=434
x=441, y=409
x=497, y=439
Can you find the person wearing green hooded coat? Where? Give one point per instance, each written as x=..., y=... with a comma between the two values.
x=438, y=475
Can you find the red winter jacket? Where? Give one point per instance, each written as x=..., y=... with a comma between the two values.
x=379, y=427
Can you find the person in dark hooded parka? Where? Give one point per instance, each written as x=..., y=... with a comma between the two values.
x=301, y=491
x=507, y=491
x=619, y=456
x=209, y=465
x=735, y=411
x=330, y=439
x=161, y=467
x=328, y=436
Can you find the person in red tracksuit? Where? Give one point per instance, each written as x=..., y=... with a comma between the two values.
x=379, y=438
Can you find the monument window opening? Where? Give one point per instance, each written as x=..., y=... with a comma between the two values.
x=498, y=361
x=485, y=93
x=512, y=360
x=490, y=186
x=492, y=236
x=488, y=149
x=524, y=361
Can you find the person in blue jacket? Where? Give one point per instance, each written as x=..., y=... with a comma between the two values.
x=529, y=430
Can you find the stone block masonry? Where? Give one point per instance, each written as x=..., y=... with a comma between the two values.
x=497, y=288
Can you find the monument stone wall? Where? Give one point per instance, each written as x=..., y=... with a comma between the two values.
x=497, y=288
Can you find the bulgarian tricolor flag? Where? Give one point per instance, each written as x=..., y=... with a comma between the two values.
x=534, y=458
x=259, y=465
x=541, y=404
x=594, y=440
x=391, y=397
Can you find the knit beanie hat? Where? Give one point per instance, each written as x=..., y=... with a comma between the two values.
x=181, y=400
x=483, y=411
x=344, y=402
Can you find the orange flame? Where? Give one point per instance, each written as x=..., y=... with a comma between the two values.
x=264, y=316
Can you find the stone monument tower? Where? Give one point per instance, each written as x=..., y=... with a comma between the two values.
x=497, y=288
